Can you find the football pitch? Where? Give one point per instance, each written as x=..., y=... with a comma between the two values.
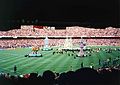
x=57, y=62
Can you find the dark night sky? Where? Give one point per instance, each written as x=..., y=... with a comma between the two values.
x=82, y=11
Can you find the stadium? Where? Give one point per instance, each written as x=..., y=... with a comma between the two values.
x=59, y=42
x=23, y=48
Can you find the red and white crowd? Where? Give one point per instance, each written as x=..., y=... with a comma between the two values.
x=69, y=31
x=51, y=31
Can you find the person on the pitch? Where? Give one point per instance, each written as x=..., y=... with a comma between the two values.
x=53, y=52
x=74, y=57
x=110, y=59
x=71, y=68
x=82, y=65
x=99, y=62
x=92, y=65
x=15, y=69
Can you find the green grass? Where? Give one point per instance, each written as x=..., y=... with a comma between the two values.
x=57, y=62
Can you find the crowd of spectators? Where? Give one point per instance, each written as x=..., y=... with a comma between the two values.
x=83, y=76
x=14, y=43
x=69, y=31
x=80, y=31
x=20, y=43
x=106, y=42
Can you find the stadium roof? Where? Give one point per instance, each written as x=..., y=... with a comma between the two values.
x=59, y=12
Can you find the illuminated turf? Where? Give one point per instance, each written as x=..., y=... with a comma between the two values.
x=57, y=62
